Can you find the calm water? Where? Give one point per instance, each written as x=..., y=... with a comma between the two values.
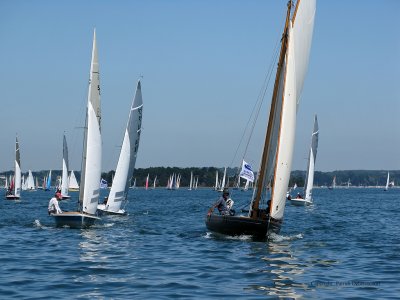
x=346, y=246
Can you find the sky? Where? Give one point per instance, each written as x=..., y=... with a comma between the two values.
x=202, y=65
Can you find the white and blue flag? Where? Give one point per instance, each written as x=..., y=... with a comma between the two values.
x=103, y=184
x=247, y=172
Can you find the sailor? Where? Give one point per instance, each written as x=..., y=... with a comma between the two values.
x=54, y=208
x=224, y=204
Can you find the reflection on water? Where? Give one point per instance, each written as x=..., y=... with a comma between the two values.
x=280, y=267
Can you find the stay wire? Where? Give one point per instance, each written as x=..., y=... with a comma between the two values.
x=257, y=105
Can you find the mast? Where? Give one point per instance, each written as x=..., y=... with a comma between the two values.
x=267, y=143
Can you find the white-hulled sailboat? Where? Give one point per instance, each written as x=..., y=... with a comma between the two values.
x=387, y=182
x=91, y=159
x=277, y=155
x=73, y=185
x=127, y=158
x=14, y=191
x=309, y=182
x=64, y=175
x=30, y=182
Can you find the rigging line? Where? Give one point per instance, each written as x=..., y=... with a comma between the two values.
x=258, y=104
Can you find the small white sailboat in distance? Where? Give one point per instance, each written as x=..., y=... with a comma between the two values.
x=309, y=182
x=91, y=157
x=14, y=191
x=73, y=185
x=64, y=175
x=30, y=182
x=127, y=159
x=387, y=182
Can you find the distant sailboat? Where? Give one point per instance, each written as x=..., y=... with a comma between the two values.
x=146, y=185
x=64, y=175
x=14, y=191
x=91, y=158
x=48, y=182
x=73, y=185
x=191, y=182
x=30, y=182
x=309, y=182
x=127, y=159
x=387, y=182
x=276, y=160
x=223, y=182
x=333, y=186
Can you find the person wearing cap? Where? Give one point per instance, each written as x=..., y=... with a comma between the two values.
x=54, y=208
x=224, y=204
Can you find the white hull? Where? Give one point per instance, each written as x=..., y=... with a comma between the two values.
x=101, y=208
x=299, y=202
x=74, y=219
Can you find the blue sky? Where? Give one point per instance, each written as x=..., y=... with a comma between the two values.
x=203, y=64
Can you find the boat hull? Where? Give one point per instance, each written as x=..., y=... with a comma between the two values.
x=299, y=202
x=74, y=219
x=241, y=225
x=12, y=197
x=101, y=209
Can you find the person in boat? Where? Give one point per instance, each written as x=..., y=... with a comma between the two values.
x=224, y=205
x=54, y=208
x=105, y=200
x=299, y=196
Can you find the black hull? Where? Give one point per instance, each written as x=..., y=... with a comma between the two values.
x=12, y=197
x=239, y=225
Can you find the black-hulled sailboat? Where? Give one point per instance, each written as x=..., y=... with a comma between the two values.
x=276, y=160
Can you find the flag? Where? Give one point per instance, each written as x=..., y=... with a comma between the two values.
x=103, y=184
x=247, y=172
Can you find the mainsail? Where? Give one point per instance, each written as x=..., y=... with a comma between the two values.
x=311, y=162
x=91, y=161
x=277, y=156
x=128, y=154
x=64, y=176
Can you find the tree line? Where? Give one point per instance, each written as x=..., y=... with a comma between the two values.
x=206, y=176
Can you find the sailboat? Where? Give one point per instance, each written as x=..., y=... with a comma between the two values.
x=64, y=175
x=73, y=185
x=307, y=200
x=30, y=183
x=48, y=182
x=264, y=217
x=333, y=186
x=14, y=191
x=127, y=158
x=387, y=182
x=89, y=189
x=223, y=183
x=191, y=181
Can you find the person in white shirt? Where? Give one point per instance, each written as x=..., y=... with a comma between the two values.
x=54, y=208
x=224, y=204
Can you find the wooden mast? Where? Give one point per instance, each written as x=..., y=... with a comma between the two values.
x=264, y=159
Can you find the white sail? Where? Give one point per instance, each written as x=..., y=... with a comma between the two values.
x=216, y=181
x=387, y=182
x=64, y=176
x=128, y=154
x=17, y=176
x=30, y=182
x=72, y=182
x=311, y=162
x=222, y=186
x=191, y=181
x=277, y=156
x=91, y=161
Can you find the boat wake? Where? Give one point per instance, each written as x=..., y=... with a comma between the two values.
x=280, y=238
